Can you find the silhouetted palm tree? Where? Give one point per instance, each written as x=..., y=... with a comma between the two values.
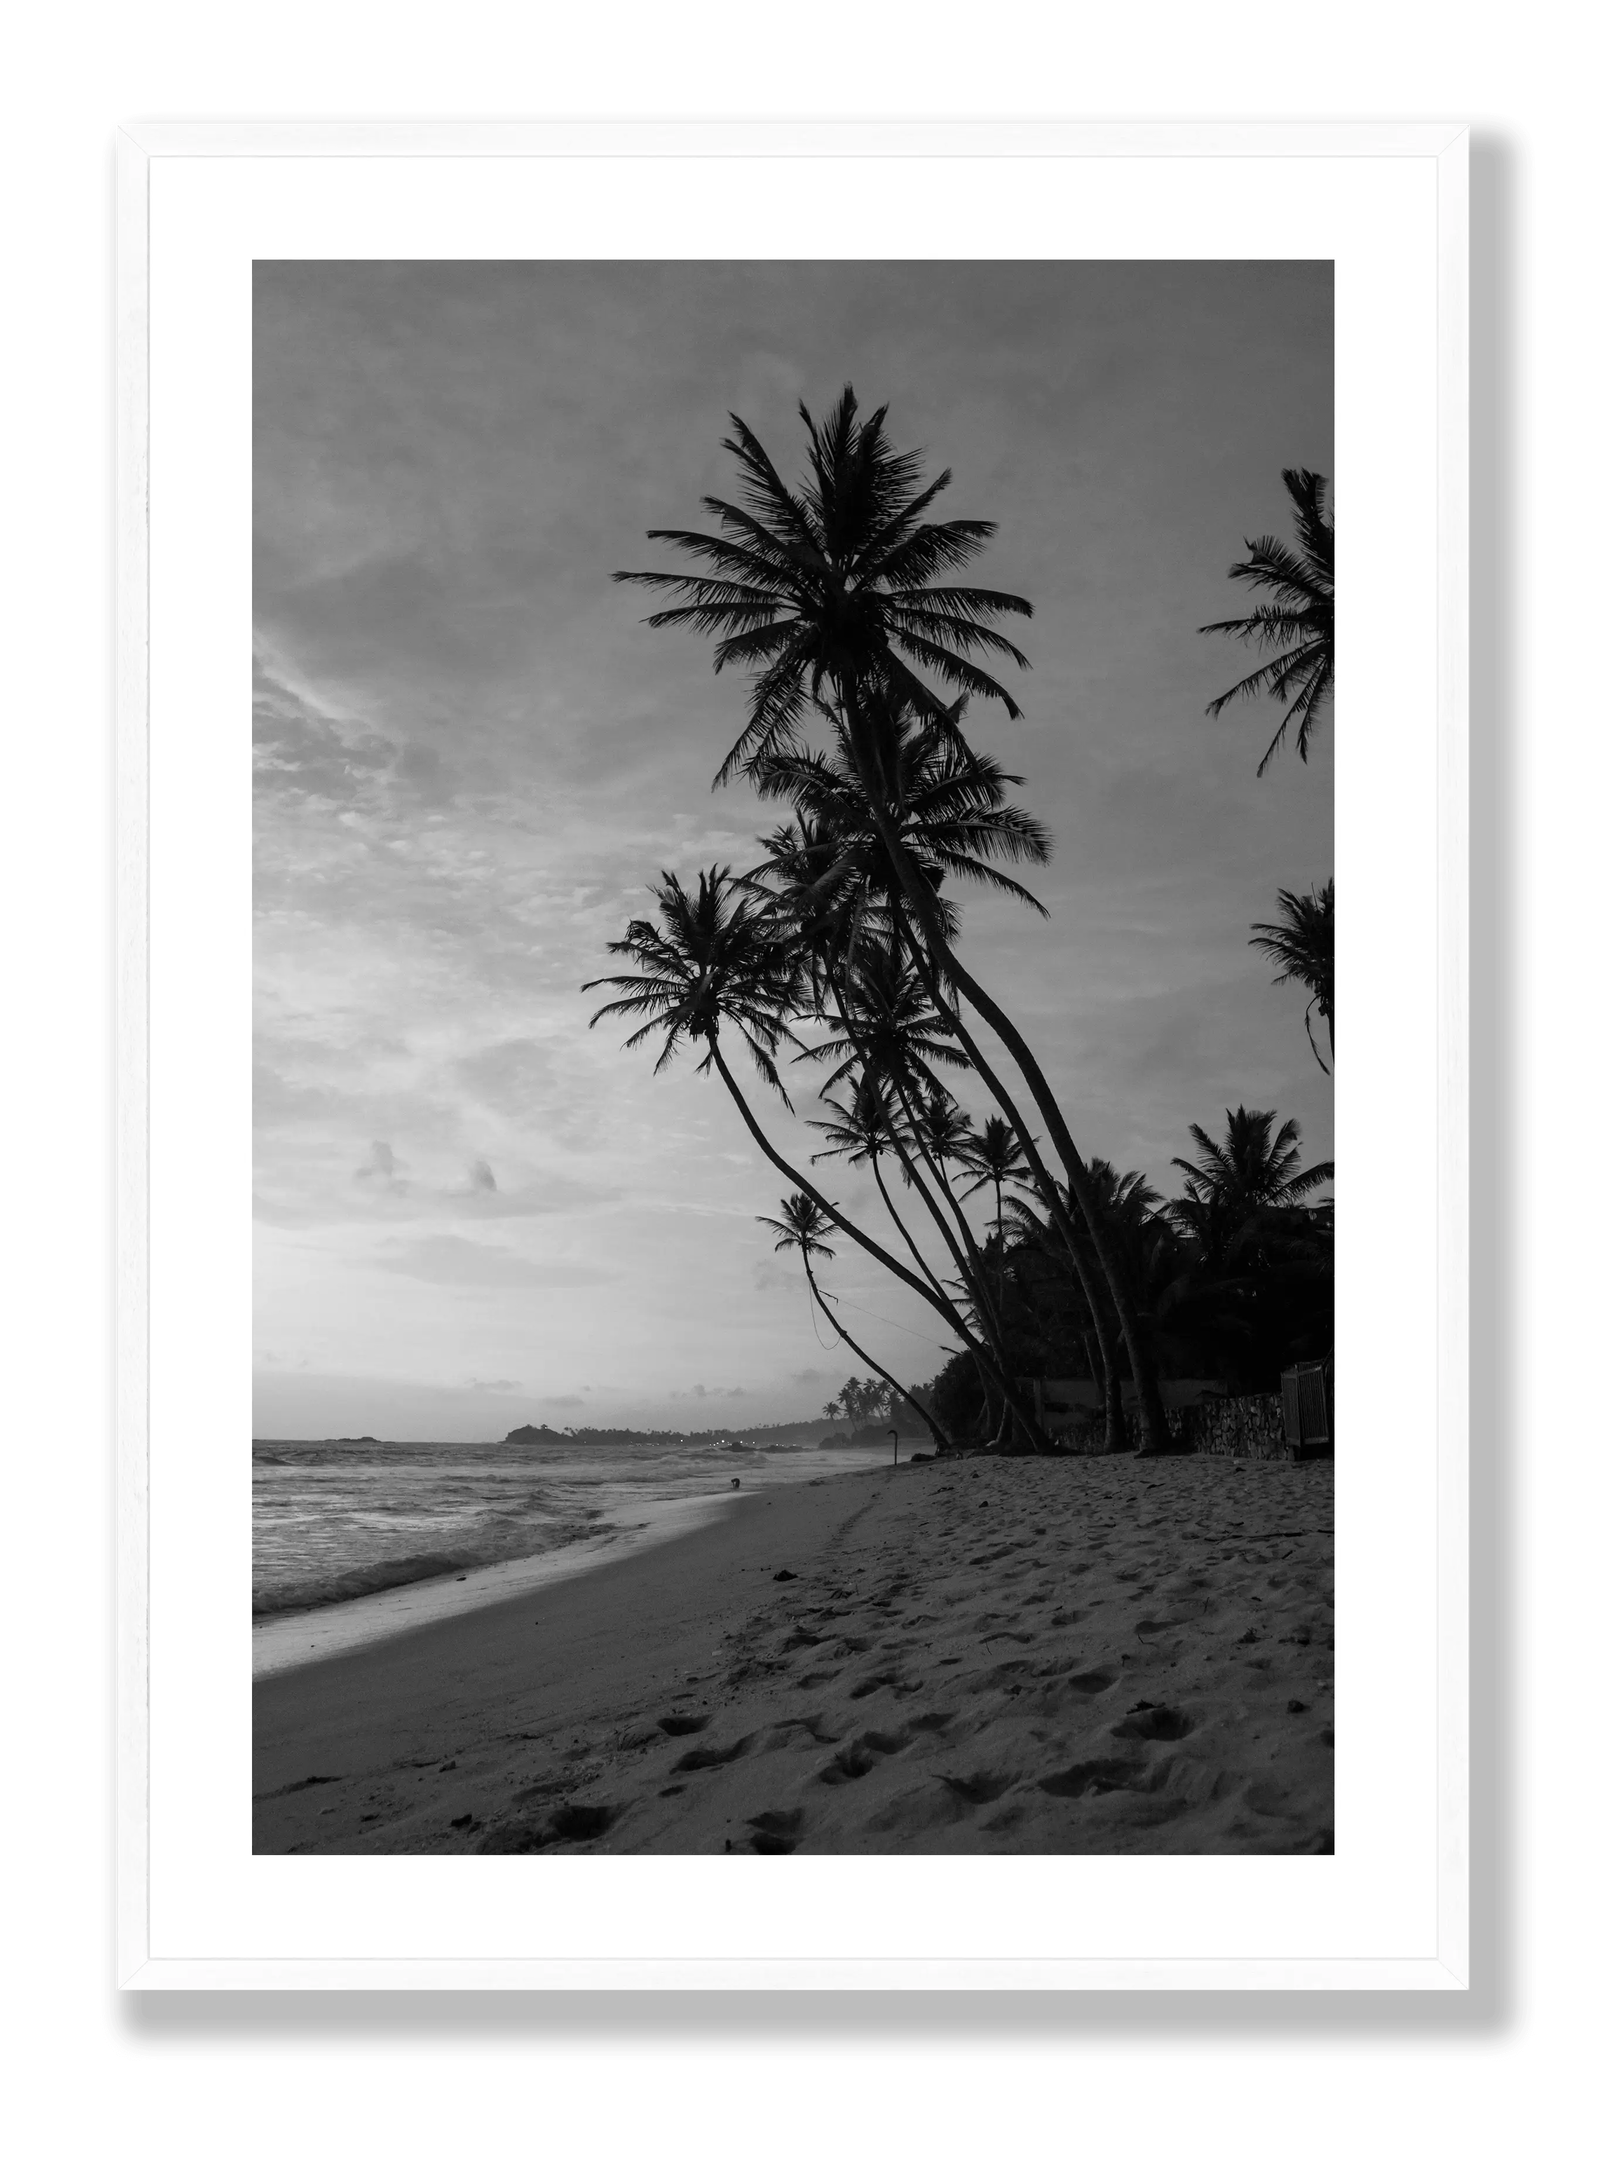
x=830, y=594
x=1302, y=942
x=711, y=961
x=835, y=581
x=886, y=1032
x=947, y=802
x=802, y=1225
x=1249, y=1172
x=993, y=1155
x=860, y=1131
x=829, y=872
x=1295, y=625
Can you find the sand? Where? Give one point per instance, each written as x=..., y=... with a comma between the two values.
x=961, y=1655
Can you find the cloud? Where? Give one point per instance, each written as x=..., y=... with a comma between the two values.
x=382, y=1188
x=381, y=1170
x=494, y=1385
x=710, y=1392
x=562, y=1400
x=452, y=1261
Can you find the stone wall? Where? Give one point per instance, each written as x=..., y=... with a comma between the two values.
x=1247, y=1428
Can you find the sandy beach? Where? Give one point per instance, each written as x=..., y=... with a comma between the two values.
x=959, y=1655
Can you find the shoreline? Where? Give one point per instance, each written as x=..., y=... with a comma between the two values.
x=1103, y=1655
x=285, y=1640
x=312, y=1632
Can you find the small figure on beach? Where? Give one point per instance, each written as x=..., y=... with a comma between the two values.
x=735, y=1483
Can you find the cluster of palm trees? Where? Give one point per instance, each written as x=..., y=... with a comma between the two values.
x=865, y=1400
x=836, y=955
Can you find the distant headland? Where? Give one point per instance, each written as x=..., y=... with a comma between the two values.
x=811, y=1432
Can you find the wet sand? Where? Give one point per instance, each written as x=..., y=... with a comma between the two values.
x=962, y=1655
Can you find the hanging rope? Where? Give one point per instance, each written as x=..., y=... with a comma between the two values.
x=888, y=1322
x=812, y=1300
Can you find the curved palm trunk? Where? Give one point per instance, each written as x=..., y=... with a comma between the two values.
x=912, y=1176
x=996, y=1379
x=999, y=1386
x=921, y=899
x=968, y=1267
x=1321, y=1064
x=1104, y=1332
x=990, y=1419
x=905, y=1233
x=971, y=1271
x=910, y=1398
x=947, y=1311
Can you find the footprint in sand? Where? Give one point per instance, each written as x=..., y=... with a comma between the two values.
x=1093, y=1682
x=710, y=1757
x=977, y=1791
x=885, y=1742
x=679, y=1727
x=576, y=1822
x=778, y=1830
x=854, y=1761
x=1093, y=1777
x=1147, y=1721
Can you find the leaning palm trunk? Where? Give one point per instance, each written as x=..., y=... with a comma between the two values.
x=996, y=1378
x=920, y=897
x=914, y=1178
x=1082, y=1264
x=908, y=1239
x=997, y=1373
x=970, y=1266
x=947, y=1310
x=904, y=1231
x=910, y=1398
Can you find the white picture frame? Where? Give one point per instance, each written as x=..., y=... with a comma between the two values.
x=198, y=204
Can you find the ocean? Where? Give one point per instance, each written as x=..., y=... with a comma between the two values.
x=352, y=1540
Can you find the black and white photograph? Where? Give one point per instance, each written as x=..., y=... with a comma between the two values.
x=727, y=749
x=794, y=1057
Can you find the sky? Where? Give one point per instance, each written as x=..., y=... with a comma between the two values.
x=472, y=759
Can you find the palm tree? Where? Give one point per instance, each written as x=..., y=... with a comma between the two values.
x=888, y=1036
x=948, y=803
x=802, y=1225
x=860, y=1131
x=994, y=1155
x=835, y=581
x=1125, y=1203
x=833, y=590
x=1302, y=942
x=1295, y=625
x=714, y=961
x=1250, y=1172
x=831, y=871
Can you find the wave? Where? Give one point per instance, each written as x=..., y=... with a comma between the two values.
x=360, y=1581
x=312, y=1593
